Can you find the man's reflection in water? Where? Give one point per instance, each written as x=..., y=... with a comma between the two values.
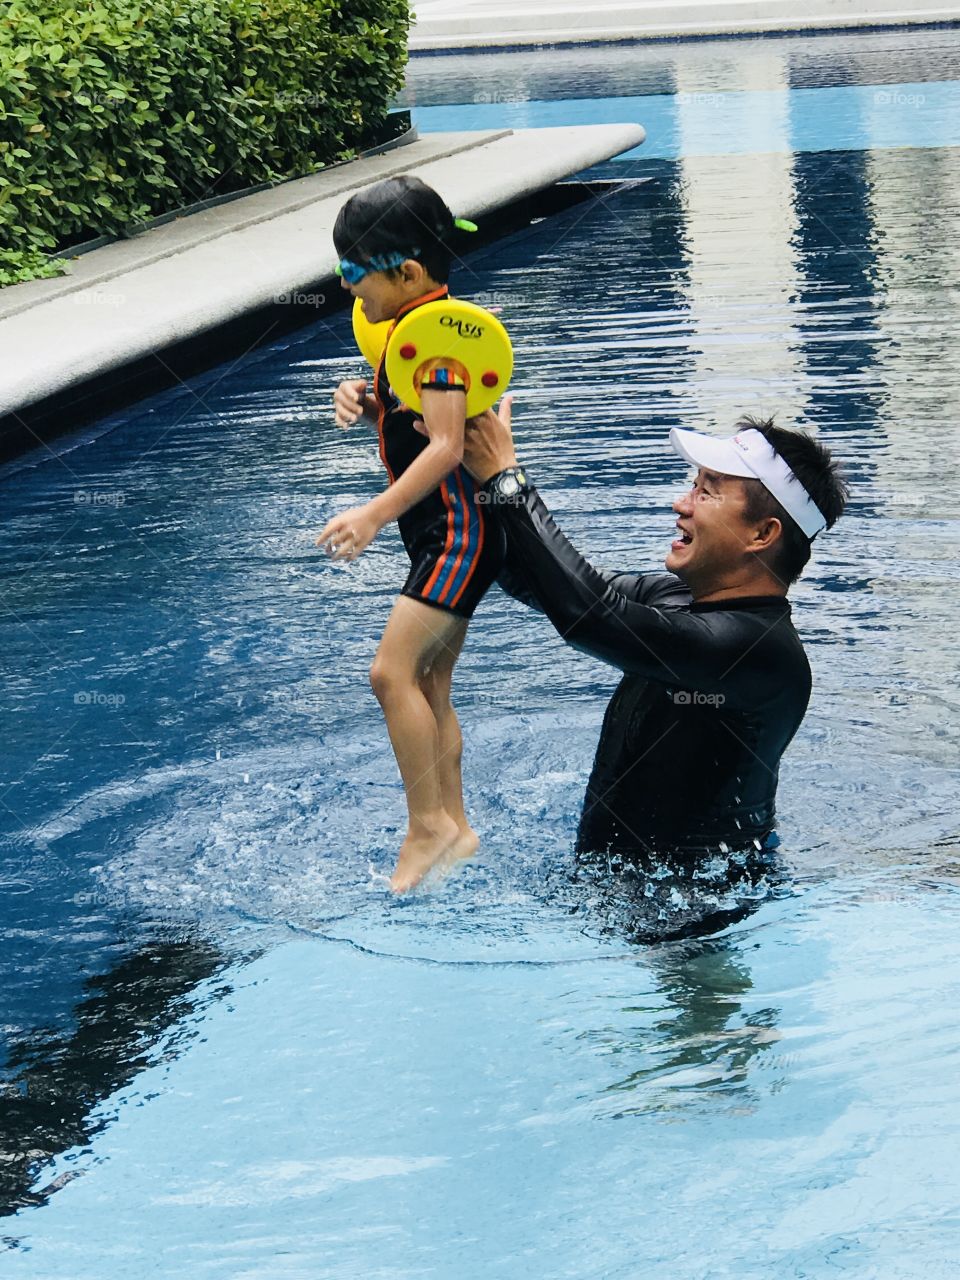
x=699, y=1045
x=699, y=1041
x=54, y=1080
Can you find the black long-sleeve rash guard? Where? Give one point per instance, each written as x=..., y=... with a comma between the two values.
x=711, y=695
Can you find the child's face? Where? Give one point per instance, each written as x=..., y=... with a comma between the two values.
x=384, y=293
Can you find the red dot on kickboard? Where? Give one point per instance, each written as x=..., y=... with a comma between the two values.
x=408, y=351
x=490, y=379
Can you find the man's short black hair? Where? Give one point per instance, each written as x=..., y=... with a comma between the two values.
x=820, y=475
x=398, y=215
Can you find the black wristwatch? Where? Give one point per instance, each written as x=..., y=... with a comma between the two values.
x=508, y=484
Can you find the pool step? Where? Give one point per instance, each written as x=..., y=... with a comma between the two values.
x=465, y=24
x=183, y=295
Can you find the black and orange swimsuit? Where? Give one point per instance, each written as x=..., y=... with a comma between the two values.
x=455, y=550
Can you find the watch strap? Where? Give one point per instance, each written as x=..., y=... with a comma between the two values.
x=495, y=484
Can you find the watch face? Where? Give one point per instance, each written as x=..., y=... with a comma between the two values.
x=509, y=485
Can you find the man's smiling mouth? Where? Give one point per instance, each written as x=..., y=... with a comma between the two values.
x=684, y=539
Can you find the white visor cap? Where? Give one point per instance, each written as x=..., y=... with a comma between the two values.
x=749, y=454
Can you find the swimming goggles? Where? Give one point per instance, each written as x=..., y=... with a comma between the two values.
x=353, y=272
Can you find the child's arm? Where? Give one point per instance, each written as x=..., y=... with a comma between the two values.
x=444, y=415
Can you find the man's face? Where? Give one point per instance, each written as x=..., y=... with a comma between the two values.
x=382, y=294
x=711, y=531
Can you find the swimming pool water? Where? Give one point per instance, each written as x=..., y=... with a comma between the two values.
x=227, y=1050
x=711, y=123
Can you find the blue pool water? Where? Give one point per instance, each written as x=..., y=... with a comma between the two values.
x=714, y=123
x=227, y=1051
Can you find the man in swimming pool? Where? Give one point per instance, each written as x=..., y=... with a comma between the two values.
x=715, y=679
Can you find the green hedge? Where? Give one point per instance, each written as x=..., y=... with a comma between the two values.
x=114, y=111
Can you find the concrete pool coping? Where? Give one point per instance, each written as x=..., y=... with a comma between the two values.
x=179, y=281
x=452, y=25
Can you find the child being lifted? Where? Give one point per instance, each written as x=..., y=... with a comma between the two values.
x=393, y=240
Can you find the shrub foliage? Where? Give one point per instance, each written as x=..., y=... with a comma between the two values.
x=112, y=111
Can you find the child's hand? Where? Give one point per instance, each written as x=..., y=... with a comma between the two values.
x=350, y=402
x=349, y=533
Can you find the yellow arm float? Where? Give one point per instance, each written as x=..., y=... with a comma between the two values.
x=457, y=334
x=371, y=338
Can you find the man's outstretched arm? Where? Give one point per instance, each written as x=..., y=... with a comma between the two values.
x=494, y=453
x=514, y=581
x=605, y=615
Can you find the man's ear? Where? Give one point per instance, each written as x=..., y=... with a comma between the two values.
x=767, y=534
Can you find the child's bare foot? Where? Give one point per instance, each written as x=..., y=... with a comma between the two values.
x=419, y=853
x=465, y=846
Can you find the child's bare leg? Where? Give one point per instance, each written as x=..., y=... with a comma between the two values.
x=436, y=688
x=415, y=636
